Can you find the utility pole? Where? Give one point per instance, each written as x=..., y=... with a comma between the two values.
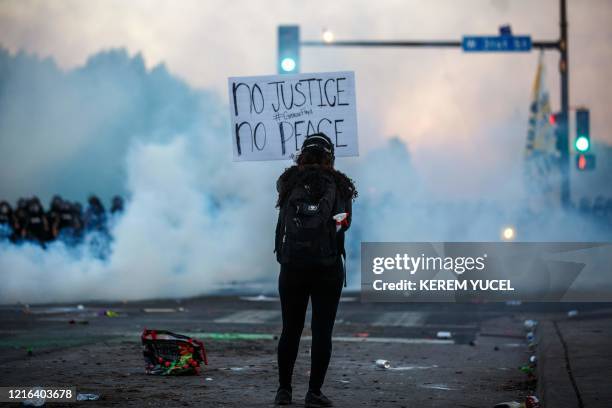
x=564, y=159
x=559, y=45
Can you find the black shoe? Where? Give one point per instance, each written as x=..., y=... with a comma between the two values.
x=317, y=400
x=283, y=397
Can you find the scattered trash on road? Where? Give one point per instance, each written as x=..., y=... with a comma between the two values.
x=29, y=351
x=208, y=379
x=533, y=360
x=572, y=313
x=108, y=313
x=88, y=397
x=361, y=334
x=527, y=369
x=237, y=368
x=168, y=353
x=380, y=363
x=530, y=336
x=530, y=324
x=444, y=335
x=80, y=307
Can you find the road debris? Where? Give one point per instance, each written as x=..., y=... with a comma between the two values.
x=530, y=324
x=444, y=335
x=108, y=313
x=88, y=397
x=380, y=363
x=167, y=353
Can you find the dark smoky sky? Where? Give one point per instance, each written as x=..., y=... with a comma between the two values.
x=448, y=106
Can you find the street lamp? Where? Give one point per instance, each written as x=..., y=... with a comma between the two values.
x=328, y=36
x=508, y=233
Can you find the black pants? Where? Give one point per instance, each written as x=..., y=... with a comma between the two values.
x=323, y=285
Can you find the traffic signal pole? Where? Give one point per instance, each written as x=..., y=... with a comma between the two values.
x=560, y=45
x=564, y=160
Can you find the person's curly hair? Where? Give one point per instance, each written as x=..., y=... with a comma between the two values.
x=308, y=168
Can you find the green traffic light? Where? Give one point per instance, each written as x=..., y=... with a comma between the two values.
x=582, y=144
x=288, y=64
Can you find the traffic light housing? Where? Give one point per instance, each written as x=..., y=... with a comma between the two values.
x=583, y=137
x=288, y=49
x=585, y=162
x=558, y=121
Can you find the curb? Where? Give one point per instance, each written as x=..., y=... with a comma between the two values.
x=554, y=386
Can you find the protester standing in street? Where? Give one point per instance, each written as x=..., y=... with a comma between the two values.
x=315, y=203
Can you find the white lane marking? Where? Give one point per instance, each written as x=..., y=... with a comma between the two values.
x=400, y=319
x=443, y=387
x=265, y=336
x=404, y=368
x=250, y=317
x=387, y=340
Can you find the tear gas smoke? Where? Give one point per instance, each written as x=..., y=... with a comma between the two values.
x=196, y=222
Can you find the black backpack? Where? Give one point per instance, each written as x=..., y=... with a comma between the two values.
x=306, y=231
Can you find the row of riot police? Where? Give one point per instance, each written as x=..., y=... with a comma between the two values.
x=64, y=220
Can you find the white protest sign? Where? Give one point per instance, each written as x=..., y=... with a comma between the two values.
x=272, y=115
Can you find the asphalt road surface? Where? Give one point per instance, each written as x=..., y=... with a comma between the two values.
x=80, y=346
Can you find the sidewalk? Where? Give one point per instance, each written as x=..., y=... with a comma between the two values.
x=575, y=361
